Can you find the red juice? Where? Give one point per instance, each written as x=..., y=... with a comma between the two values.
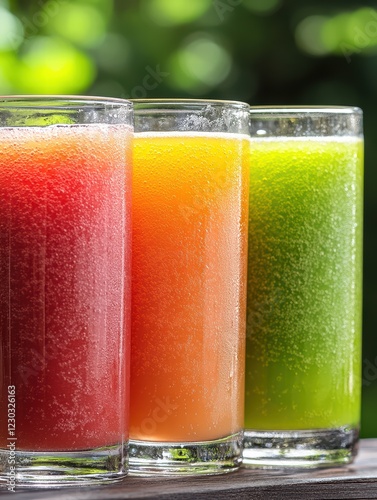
x=63, y=239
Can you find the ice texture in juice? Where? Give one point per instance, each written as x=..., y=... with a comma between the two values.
x=64, y=270
x=190, y=193
x=304, y=283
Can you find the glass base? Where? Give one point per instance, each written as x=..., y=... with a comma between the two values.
x=303, y=448
x=20, y=469
x=197, y=458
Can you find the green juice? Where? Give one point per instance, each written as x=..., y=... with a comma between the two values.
x=303, y=363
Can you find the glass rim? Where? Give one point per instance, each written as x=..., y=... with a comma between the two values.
x=59, y=102
x=281, y=110
x=189, y=103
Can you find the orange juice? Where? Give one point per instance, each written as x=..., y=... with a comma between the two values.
x=190, y=197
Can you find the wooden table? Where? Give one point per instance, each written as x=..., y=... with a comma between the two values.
x=358, y=480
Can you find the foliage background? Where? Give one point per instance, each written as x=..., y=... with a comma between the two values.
x=259, y=51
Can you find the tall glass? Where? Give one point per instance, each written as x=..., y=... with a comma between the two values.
x=64, y=276
x=190, y=196
x=303, y=373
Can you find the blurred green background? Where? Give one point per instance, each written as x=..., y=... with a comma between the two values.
x=259, y=51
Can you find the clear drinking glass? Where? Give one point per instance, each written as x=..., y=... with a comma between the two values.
x=64, y=276
x=190, y=196
x=303, y=359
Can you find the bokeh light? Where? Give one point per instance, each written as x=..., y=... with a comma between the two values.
x=173, y=12
x=309, y=35
x=342, y=34
x=8, y=68
x=200, y=64
x=11, y=30
x=53, y=66
x=79, y=23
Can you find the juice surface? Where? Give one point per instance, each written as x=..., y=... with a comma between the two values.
x=63, y=237
x=304, y=283
x=190, y=196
